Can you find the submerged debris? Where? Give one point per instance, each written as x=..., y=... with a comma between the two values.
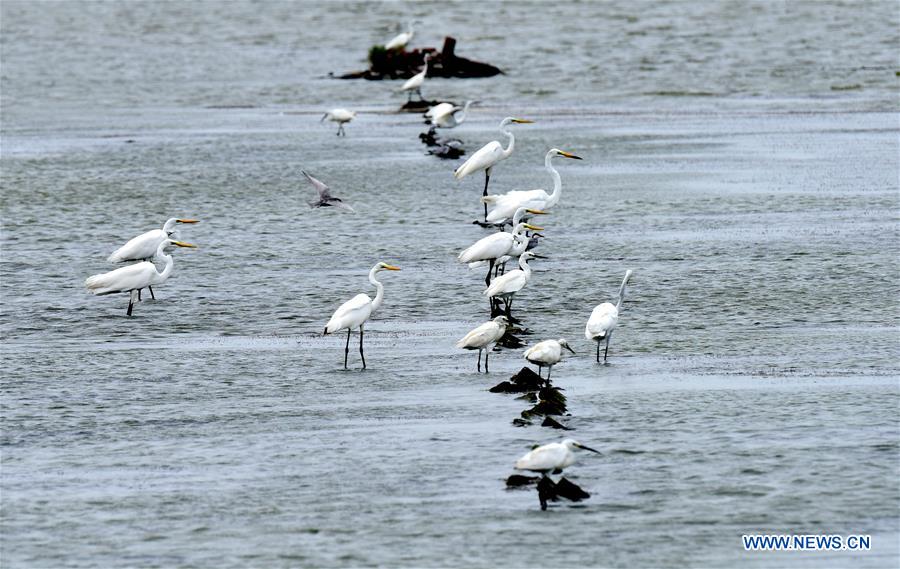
x=549, y=491
x=402, y=64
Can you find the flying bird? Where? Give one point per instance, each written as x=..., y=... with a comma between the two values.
x=325, y=197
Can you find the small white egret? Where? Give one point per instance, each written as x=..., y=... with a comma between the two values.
x=604, y=319
x=414, y=83
x=506, y=286
x=506, y=204
x=551, y=458
x=354, y=313
x=400, y=40
x=484, y=337
x=325, y=197
x=497, y=245
x=339, y=116
x=133, y=278
x=489, y=156
x=547, y=353
x=443, y=117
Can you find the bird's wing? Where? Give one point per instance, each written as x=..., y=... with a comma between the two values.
x=546, y=351
x=603, y=319
x=490, y=247
x=319, y=185
x=399, y=40
x=484, y=158
x=481, y=336
x=505, y=205
x=439, y=110
x=350, y=314
x=543, y=458
x=338, y=202
x=512, y=281
x=141, y=247
x=414, y=81
x=122, y=279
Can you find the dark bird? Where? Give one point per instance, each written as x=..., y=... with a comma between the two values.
x=325, y=197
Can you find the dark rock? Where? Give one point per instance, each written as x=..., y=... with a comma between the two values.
x=570, y=491
x=527, y=378
x=506, y=387
x=530, y=396
x=521, y=423
x=518, y=480
x=553, y=424
x=402, y=64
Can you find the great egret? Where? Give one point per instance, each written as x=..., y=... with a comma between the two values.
x=550, y=458
x=497, y=245
x=484, y=337
x=520, y=245
x=339, y=116
x=444, y=117
x=354, y=313
x=400, y=40
x=506, y=204
x=489, y=156
x=506, y=286
x=604, y=319
x=133, y=278
x=144, y=246
x=415, y=82
x=325, y=197
x=547, y=353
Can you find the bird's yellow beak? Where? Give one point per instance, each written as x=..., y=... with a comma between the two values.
x=569, y=155
x=522, y=121
x=183, y=244
x=536, y=212
x=533, y=227
x=391, y=267
x=188, y=220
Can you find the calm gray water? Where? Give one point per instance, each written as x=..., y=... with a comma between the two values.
x=742, y=158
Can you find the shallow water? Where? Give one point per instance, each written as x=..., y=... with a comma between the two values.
x=742, y=159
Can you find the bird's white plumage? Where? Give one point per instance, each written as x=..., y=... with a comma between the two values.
x=485, y=157
x=603, y=320
x=416, y=81
x=505, y=205
x=439, y=110
x=548, y=352
x=351, y=314
x=484, y=335
x=512, y=282
x=400, y=40
x=340, y=115
x=547, y=458
x=141, y=247
x=124, y=279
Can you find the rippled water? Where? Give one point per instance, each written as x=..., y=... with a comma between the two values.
x=740, y=157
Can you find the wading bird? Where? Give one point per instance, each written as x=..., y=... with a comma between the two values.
x=489, y=156
x=484, y=337
x=444, y=115
x=325, y=197
x=339, y=116
x=414, y=83
x=400, y=40
x=506, y=286
x=551, y=458
x=133, y=278
x=547, y=353
x=498, y=245
x=506, y=204
x=604, y=319
x=354, y=313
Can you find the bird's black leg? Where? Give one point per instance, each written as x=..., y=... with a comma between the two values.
x=139, y=295
x=487, y=279
x=487, y=179
x=347, y=348
x=361, y=354
x=131, y=302
x=486, y=354
x=150, y=288
x=540, y=369
x=549, y=371
x=598, y=352
x=479, y=360
x=606, y=351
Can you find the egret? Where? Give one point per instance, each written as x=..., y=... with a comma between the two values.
x=484, y=337
x=354, y=313
x=400, y=40
x=444, y=117
x=506, y=204
x=506, y=286
x=489, y=156
x=547, y=353
x=339, y=116
x=497, y=245
x=144, y=246
x=415, y=82
x=325, y=197
x=604, y=319
x=551, y=458
x=133, y=278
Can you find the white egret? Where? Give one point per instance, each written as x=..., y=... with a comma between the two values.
x=325, y=197
x=547, y=353
x=489, y=156
x=484, y=337
x=551, y=458
x=497, y=245
x=339, y=116
x=506, y=286
x=443, y=117
x=415, y=82
x=604, y=319
x=506, y=204
x=520, y=245
x=400, y=40
x=439, y=109
x=354, y=313
x=144, y=246
x=133, y=278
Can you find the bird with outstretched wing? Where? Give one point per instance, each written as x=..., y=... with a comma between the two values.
x=325, y=197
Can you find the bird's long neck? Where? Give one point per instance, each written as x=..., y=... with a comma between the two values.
x=169, y=226
x=462, y=115
x=523, y=264
x=170, y=264
x=519, y=228
x=557, y=181
x=622, y=292
x=512, y=141
x=379, y=295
